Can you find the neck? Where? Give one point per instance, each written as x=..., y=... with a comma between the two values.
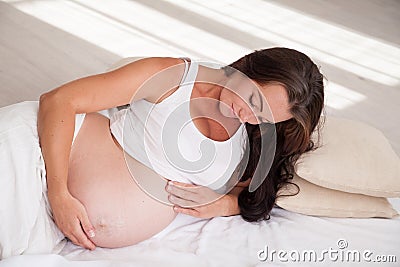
x=210, y=82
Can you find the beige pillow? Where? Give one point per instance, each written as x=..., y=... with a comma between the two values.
x=354, y=157
x=319, y=201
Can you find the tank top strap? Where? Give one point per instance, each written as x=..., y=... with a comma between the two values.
x=191, y=68
x=186, y=60
x=187, y=83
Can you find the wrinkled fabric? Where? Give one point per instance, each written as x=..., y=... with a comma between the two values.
x=26, y=224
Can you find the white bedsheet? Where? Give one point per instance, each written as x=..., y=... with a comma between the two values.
x=230, y=241
x=26, y=225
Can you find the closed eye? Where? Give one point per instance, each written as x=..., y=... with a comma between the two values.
x=251, y=101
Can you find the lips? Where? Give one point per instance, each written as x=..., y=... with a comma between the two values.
x=233, y=111
x=234, y=114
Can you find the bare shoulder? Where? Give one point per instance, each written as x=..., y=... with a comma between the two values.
x=164, y=62
x=146, y=78
x=167, y=74
x=152, y=64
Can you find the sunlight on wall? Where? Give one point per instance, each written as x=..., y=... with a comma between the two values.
x=340, y=97
x=328, y=43
x=127, y=28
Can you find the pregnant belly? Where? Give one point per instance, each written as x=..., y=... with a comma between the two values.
x=120, y=211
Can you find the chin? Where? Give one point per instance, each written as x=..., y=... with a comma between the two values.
x=225, y=110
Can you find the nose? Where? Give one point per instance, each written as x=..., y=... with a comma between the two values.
x=242, y=115
x=246, y=116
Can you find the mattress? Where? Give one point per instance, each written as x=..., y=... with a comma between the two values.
x=287, y=239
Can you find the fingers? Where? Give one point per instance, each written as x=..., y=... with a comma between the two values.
x=181, y=202
x=190, y=195
x=74, y=240
x=78, y=236
x=188, y=187
x=77, y=241
x=182, y=193
x=84, y=240
x=191, y=212
x=71, y=218
x=81, y=237
x=87, y=226
x=88, y=231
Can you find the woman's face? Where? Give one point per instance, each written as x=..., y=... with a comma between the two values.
x=250, y=102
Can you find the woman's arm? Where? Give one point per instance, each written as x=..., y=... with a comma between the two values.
x=56, y=122
x=233, y=206
x=57, y=109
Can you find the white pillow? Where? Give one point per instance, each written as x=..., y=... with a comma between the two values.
x=354, y=157
x=319, y=201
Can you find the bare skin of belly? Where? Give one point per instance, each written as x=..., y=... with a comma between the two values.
x=120, y=211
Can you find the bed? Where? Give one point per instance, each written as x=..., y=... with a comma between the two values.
x=287, y=239
x=230, y=241
x=223, y=241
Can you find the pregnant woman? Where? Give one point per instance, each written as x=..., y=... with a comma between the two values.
x=89, y=185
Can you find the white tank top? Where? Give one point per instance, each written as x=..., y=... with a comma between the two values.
x=163, y=137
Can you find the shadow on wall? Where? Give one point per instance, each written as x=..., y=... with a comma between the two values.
x=366, y=17
x=44, y=56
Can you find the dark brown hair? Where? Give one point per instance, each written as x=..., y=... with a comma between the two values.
x=304, y=84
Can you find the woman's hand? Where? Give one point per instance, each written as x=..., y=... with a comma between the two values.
x=71, y=218
x=200, y=201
